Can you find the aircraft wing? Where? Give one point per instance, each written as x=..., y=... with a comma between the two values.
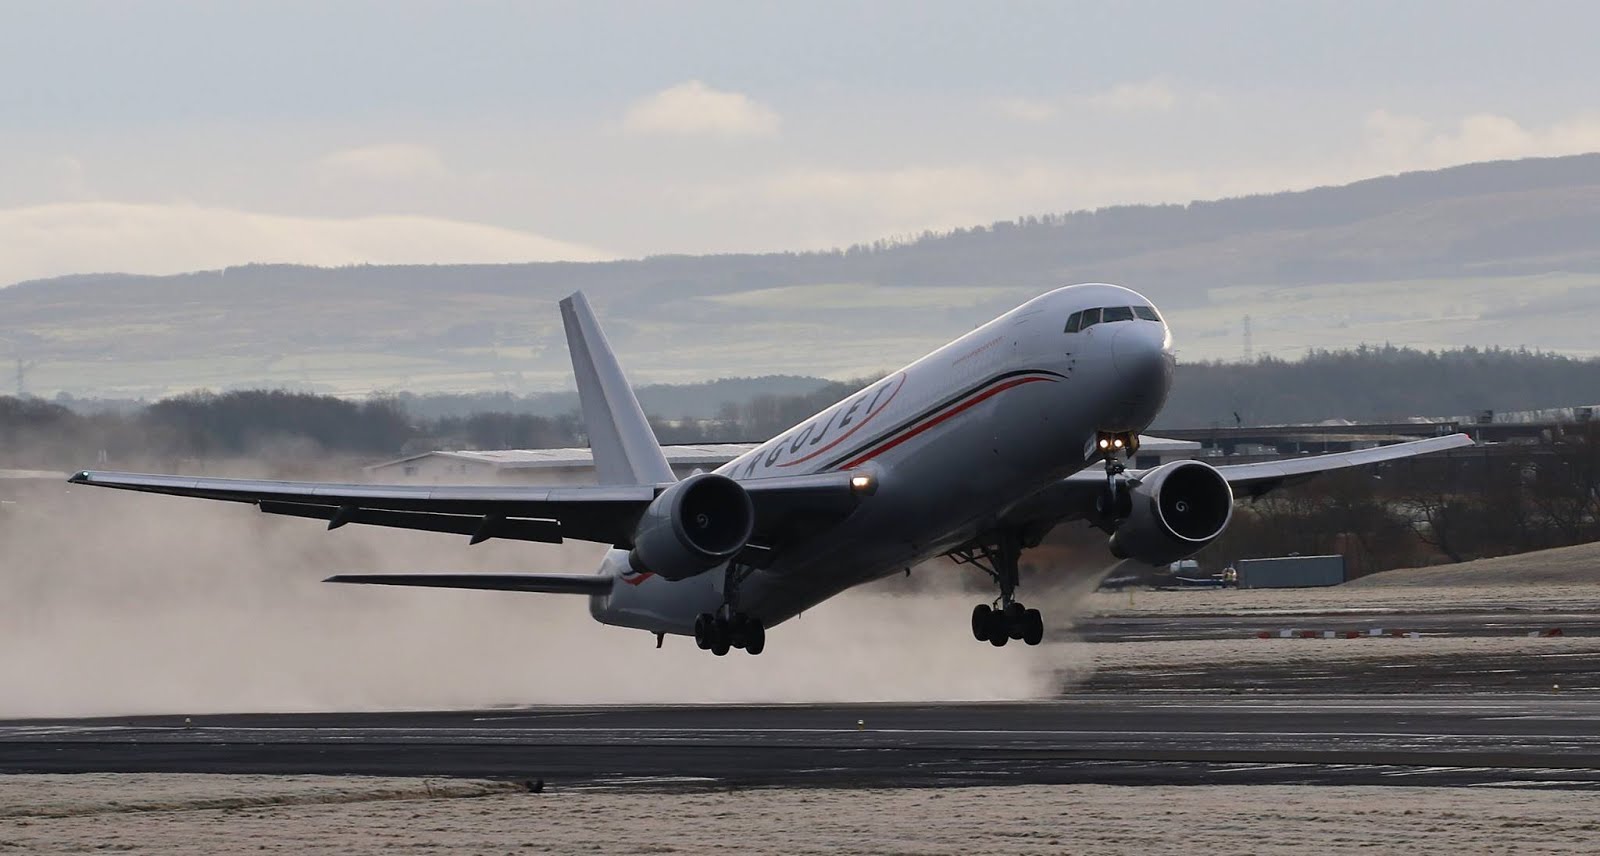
x=787, y=508
x=1074, y=497
x=1253, y=480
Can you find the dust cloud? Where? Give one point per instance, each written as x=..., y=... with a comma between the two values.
x=116, y=603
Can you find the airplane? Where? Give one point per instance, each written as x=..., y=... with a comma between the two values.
x=975, y=452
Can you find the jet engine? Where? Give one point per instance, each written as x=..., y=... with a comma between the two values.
x=692, y=527
x=1176, y=509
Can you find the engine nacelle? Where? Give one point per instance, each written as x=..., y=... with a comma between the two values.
x=1177, y=509
x=692, y=527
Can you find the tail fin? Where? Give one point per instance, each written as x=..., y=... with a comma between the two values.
x=625, y=449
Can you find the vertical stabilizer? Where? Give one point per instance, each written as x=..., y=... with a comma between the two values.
x=625, y=449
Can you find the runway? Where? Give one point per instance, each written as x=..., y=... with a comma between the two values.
x=1541, y=740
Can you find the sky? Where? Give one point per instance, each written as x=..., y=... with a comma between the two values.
x=165, y=136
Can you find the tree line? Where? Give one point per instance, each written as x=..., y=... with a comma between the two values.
x=282, y=425
x=1363, y=384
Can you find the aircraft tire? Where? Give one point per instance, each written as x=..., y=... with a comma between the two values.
x=720, y=646
x=980, y=622
x=1032, y=627
x=999, y=633
x=702, y=631
x=738, y=630
x=755, y=637
x=1016, y=615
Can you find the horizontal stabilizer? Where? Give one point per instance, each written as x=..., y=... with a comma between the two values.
x=545, y=583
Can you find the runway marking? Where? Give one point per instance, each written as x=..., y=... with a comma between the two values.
x=1548, y=717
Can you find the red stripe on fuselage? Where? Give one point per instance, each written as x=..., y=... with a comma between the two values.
x=942, y=417
x=846, y=435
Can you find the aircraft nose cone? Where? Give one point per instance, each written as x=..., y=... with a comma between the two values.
x=1139, y=355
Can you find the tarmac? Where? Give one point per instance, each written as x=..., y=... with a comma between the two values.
x=1546, y=740
x=1483, y=717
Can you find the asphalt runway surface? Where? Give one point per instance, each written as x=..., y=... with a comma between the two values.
x=1539, y=740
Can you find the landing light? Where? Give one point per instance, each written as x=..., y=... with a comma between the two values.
x=861, y=483
x=1117, y=442
x=1104, y=443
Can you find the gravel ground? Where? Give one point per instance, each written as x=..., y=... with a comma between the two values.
x=1284, y=652
x=178, y=815
x=1348, y=599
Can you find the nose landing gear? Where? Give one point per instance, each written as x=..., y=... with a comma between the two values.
x=1007, y=618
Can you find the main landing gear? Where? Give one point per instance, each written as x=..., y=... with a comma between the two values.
x=1007, y=618
x=727, y=628
x=718, y=633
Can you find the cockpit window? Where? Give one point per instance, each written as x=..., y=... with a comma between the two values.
x=1084, y=319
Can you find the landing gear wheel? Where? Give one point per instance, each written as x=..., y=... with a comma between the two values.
x=738, y=630
x=999, y=633
x=721, y=639
x=702, y=631
x=980, y=622
x=755, y=637
x=1015, y=613
x=1032, y=627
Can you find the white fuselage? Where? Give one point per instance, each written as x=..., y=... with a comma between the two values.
x=953, y=440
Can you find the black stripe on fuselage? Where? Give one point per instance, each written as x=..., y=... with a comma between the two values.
x=953, y=401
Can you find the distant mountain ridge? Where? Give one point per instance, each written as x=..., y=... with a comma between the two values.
x=460, y=328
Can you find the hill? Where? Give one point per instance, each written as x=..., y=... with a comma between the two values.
x=1487, y=254
x=1579, y=564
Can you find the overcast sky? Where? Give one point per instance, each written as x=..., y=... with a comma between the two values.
x=171, y=136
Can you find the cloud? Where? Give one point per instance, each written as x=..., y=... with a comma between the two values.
x=385, y=162
x=695, y=109
x=1409, y=142
x=1151, y=96
x=1027, y=109
x=83, y=237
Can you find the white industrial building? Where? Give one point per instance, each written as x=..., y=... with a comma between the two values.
x=576, y=466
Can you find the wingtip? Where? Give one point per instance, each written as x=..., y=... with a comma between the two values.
x=80, y=477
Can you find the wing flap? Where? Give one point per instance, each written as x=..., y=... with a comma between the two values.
x=589, y=584
x=480, y=528
x=605, y=514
